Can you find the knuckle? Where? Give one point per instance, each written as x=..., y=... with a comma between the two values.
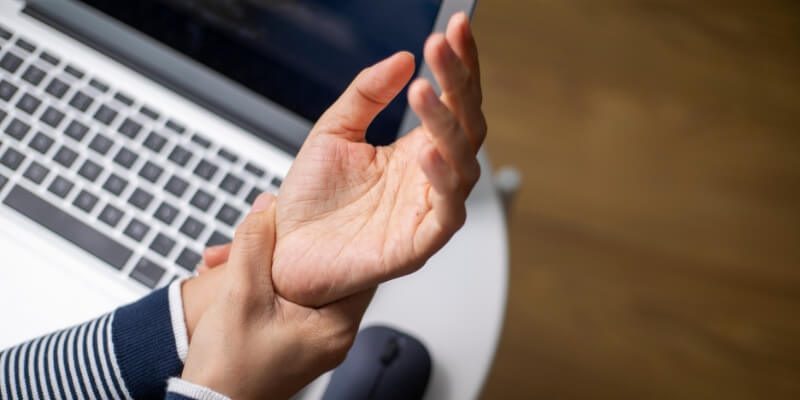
x=469, y=177
x=483, y=125
x=474, y=174
x=452, y=127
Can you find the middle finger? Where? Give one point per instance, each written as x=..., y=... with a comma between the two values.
x=458, y=87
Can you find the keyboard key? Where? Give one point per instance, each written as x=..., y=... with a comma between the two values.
x=3, y=181
x=136, y=230
x=12, y=159
x=28, y=103
x=81, y=101
x=147, y=273
x=25, y=45
x=76, y=130
x=155, y=142
x=111, y=215
x=176, y=186
x=99, y=85
x=149, y=113
x=17, y=129
x=188, y=259
x=140, y=199
x=105, y=114
x=41, y=142
x=251, y=168
x=176, y=127
x=101, y=144
x=202, y=200
x=52, y=117
x=130, y=128
x=124, y=99
x=36, y=172
x=65, y=156
x=229, y=215
x=60, y=187
x=7, y=90
x=74, y=71
x=4, y=33
x=85, y=201
x=251, y=197
x=200, y=140
x=125, y=157
x=276, y=182
x=49, y=58
x=33, y=75
x=10, y=62
x=192, y=228
x=115, y=184
x=166, y=213
x=151, y=172
x=205, y=170
x=3, y=115
x=231, y=184
x=226, y=154
x=68, y=227
x=217, y=238
x=90, y=170
x=57, y=88
x=180, y=156
x=162, y=244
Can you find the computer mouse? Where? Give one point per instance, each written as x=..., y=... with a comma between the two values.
x=383, y=363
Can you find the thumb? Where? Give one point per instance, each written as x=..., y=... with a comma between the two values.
x=251, y=251
x=369, y=93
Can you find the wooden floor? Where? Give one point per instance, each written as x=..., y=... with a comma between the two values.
x=655, y=244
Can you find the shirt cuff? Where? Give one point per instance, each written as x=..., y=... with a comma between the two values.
x=178, y=319
x=186, y=389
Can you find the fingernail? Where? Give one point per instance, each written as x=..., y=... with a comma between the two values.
x=214, y=248
x=263, y=202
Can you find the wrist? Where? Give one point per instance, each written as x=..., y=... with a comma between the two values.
x=197, y=294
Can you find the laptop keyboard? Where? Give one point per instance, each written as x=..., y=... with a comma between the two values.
x=117, y=178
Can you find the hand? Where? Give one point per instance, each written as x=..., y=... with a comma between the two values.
x=249, y=342
x=351, y=215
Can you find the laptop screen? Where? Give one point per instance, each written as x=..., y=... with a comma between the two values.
x=300, y=54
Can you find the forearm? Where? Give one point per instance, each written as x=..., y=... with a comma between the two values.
x=129, y=353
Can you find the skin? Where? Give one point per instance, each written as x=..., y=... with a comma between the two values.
x=250, y=342
x=288, y=294
x=351, y=215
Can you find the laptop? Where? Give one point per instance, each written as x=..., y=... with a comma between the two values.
x=133, y=134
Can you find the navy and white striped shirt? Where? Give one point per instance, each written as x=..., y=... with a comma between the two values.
x=132, y=353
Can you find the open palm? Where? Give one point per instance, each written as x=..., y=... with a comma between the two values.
x=351, y=215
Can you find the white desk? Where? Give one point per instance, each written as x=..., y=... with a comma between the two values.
x=456, y=303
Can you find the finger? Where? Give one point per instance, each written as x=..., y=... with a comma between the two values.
x=202, y=267
x=448, y=211
x=216, y=255
x=368, y=94
x=253, y=243
x=445, y=130
x=460, y=91
x=459, y=36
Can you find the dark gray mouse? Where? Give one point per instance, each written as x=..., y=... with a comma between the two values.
x=384, y=364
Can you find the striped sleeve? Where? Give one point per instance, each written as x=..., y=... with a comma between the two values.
x=127, y=354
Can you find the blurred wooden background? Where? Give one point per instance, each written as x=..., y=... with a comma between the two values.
x=655, y=244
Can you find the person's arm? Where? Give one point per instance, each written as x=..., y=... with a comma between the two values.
x=129, y=353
